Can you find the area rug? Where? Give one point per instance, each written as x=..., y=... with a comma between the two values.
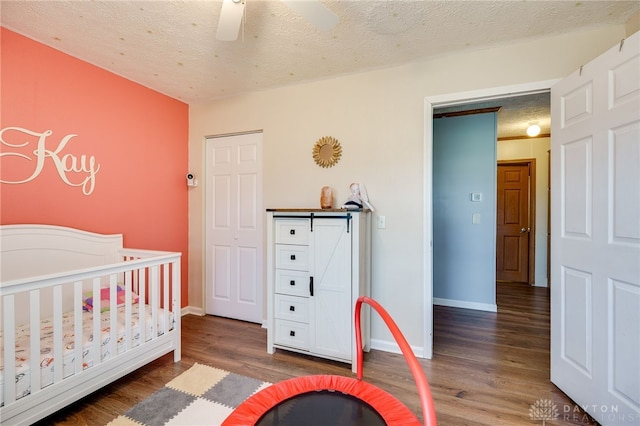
x=202, y=395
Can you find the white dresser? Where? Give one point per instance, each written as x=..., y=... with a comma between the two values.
x=317, y=266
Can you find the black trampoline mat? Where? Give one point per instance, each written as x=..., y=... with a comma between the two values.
x=322, y=408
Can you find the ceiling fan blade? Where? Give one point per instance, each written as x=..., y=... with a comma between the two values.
x=314, y=12
x=230, y=20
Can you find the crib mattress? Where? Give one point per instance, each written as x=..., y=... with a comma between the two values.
x=23, y=353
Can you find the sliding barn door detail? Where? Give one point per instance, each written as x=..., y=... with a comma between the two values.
x=332, y=287
x=595, y=272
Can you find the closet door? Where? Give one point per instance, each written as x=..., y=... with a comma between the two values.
x=331, y=304
x=234, y=225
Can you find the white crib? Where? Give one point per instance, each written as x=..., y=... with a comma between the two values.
x=101, y=312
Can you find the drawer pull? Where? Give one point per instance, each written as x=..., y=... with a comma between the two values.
x=292, y=333
x=292, y=282
x=292, y=231
x=292, y=308
x=293, y=257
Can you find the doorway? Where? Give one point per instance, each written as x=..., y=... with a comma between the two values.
x=464, y=210
x=441, y=101
x=516, y=219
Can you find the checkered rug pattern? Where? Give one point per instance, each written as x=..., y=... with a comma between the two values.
x=202, y=395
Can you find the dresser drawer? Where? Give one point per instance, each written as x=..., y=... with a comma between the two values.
x=292, y=231
x=291, y=333
x=292, y=308
x=295, y=283
x=292, y=257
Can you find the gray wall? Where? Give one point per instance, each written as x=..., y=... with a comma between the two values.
x=464, y=162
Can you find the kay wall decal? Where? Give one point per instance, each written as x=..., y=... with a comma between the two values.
x=77, y=171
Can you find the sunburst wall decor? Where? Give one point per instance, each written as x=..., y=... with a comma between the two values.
x=327, y=151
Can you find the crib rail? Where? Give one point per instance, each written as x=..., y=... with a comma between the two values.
x=152, y=276
x=132, y=257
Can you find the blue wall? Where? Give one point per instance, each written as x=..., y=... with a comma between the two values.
x=464, y=162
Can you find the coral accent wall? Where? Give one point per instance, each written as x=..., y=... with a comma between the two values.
x=93, y=150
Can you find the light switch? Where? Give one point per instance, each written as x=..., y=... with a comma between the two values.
x=382, y=222
x=475, y=219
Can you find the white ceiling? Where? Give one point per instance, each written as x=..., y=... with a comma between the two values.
x=171, y=46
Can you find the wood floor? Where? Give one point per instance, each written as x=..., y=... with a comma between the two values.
x=487, y=369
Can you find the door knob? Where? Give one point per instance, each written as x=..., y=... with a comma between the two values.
x=523, y=230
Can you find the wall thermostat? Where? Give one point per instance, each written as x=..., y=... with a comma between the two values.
x=476, y=196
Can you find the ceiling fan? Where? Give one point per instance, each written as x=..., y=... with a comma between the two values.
x=312, y=10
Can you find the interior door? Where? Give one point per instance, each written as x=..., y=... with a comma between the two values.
x=595, y=249
x=513, y=223
x=234, y=227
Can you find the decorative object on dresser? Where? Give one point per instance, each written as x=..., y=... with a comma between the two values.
x=327, y=151
x=317, y=266
x=326, y=198
x=358, y=198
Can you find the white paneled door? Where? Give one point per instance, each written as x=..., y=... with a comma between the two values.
x=234, y=227
x=595, y=247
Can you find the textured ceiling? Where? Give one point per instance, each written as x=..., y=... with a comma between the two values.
x=171, y=46
x=515, y=114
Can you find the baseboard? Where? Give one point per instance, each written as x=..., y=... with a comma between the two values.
x=465, y=304
x=392, y=346
x=192, y=310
